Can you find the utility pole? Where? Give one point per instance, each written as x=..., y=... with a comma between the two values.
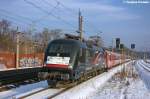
x=17, y=47
x=35, y=46
x=80, y=26
x=112, y=50
x=17, y=50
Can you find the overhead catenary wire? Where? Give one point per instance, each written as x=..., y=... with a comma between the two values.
x=17, y=17
x=8, y=12
x=14, y=20
x=23, y=19
x=72, y=13
x=67, y=8
x=47, y=2
x=57, y=8
x=50, y=13
x=43, y=17
x=89, y=23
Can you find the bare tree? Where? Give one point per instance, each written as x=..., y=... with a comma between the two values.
x=4, y=27
x=6, y=39
x=28, y=41
x=46, y=36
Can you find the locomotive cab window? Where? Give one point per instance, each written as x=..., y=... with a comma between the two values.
x=61, y=50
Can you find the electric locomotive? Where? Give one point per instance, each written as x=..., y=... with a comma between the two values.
x=69, y=60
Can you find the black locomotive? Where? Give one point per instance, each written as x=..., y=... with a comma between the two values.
x=70, y=60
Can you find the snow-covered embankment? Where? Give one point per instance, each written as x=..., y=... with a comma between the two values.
x=85, y=89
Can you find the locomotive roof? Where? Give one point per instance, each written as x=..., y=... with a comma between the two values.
x=70, y=41
x=77, y=43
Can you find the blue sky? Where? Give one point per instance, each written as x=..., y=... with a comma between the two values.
x=114, y=18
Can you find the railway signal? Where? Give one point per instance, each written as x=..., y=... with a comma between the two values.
x=132, y=46
x=132, y=57
x=117, y=43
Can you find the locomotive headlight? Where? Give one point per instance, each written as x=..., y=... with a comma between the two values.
x=70, y=66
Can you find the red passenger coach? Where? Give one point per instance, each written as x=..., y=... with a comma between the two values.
x=112, y=59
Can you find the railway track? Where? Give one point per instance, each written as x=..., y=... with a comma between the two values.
x=62, y=91
x=51, y=92
x=32, y=93
x=144, y=66
x=5, y=88
x=12, y=76
x=15, y=85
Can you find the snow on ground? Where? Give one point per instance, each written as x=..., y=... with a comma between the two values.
x=119, y=90
x=109, y=85
x=85, y=89
x=45, y=94
x=111, y=90
x=138, y=90
x=148, y=60
x=23, y=89
x=143, y=74
x=130, y=88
